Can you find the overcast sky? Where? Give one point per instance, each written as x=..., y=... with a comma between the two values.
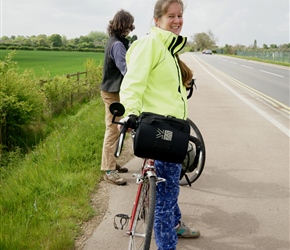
x=231, y=21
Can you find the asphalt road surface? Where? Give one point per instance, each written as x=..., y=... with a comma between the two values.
x=241, y=201
x=269, y=79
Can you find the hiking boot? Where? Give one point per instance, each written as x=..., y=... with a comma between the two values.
x=121, y=169
x=184, y=231
x=114, y=178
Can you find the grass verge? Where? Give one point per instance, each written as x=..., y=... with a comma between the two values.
x=45, y=199
x=261, y=60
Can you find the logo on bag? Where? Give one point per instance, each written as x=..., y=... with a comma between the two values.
x=164, y=134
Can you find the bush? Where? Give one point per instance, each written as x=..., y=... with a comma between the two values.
x=43, y=48
x=26, y=48
x=94, y=74
x=58, y=93
x=27, y=103
x=21, y=103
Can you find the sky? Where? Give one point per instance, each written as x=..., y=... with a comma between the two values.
x=231, y=21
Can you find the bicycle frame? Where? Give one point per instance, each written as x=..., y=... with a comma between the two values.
x=142, y=216
x=147, y=169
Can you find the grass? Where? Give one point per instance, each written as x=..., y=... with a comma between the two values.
x=46, y=197
x=57, y=63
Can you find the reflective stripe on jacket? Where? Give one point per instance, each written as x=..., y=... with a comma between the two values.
x=153, y=81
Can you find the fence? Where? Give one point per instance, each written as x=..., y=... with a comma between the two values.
x=78, y=74
x=275, y=56
x=63, y=92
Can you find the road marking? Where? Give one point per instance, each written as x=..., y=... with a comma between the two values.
x=277, y=124
x=247, y=66
x=267, y=72
x=233, y=62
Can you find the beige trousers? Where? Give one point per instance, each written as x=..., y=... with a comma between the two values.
x=111, y=134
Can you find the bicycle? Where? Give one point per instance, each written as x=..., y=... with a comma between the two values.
x=142, y=216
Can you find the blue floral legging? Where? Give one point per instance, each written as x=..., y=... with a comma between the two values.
x=167, y=212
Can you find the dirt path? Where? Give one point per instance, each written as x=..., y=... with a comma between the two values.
x=99, y=199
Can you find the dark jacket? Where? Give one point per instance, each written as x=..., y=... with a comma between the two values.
x=112, y=77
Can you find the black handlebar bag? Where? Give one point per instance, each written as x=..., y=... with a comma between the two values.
x=161, y=138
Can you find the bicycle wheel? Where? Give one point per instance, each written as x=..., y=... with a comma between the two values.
x=142, y=228
x=190, y=177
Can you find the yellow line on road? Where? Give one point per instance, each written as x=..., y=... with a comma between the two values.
x=276, y=104
x=277, y=124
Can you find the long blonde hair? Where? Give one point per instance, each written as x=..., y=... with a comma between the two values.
x=160, y=9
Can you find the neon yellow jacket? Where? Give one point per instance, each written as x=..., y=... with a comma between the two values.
x=153, y=80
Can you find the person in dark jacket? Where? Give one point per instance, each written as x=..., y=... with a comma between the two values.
x=114, y=69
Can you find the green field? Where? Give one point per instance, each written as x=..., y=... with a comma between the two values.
x=54, y=62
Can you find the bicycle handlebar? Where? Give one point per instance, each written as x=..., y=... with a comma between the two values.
x=117, y=109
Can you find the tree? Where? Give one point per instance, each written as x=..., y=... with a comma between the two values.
x=42, y=40
x=5, y=39
x=285, y=46
x=19, y=40
x=255, y=44
x=273, y=46
x=98, y=37
x=86, y=39
x=64, y=40
x=55, y=40
x=228, y=49
x=265, y=46
x=204, y=40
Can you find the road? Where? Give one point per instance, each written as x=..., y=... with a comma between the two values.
x=269, y=79
x=241, y=201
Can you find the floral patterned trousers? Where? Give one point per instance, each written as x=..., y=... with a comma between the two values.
x=167, y=212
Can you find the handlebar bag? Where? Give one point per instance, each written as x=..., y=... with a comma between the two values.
x=161, y=137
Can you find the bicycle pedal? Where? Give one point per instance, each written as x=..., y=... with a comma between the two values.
x=124, y=219
x=160, y=180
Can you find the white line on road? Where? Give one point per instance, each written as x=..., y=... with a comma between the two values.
x=267, y=72
x=233, y=62
x=277, y=124
x=247, y=66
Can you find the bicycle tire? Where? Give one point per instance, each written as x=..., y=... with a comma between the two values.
x=140, y=237
x=196, y=173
